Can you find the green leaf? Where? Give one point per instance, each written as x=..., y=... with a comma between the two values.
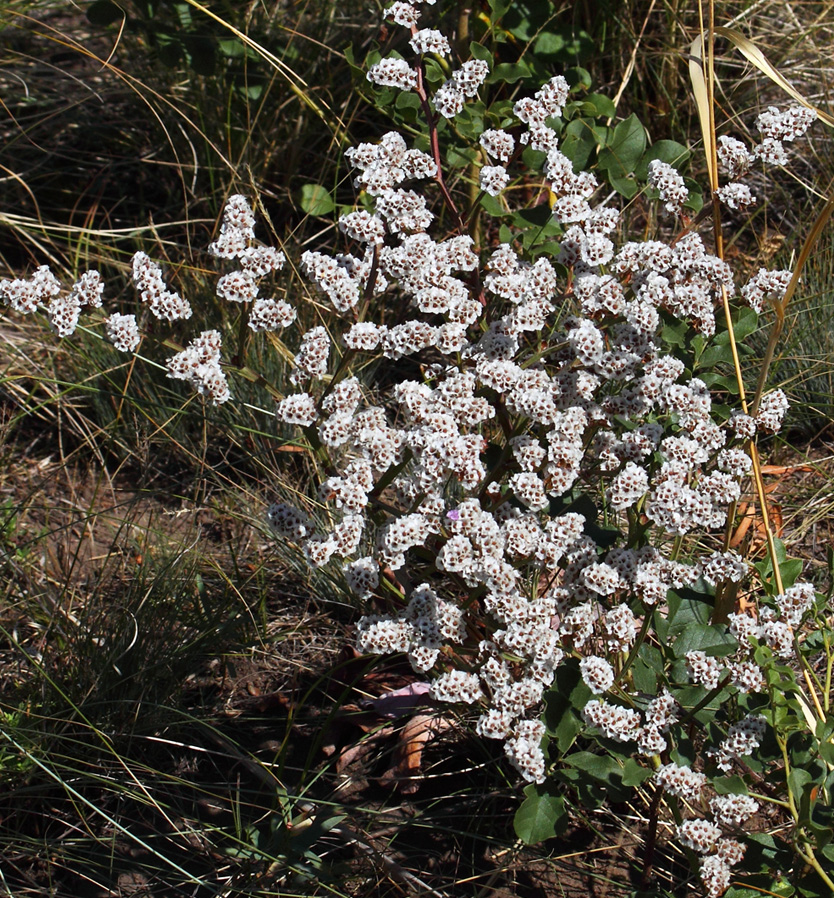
x=729, y=785
x=600, y=767
x=674, y=332
x=645, y=679
x=408, y=104
x=811, y=886
x=600, y=105
x=625, y=186
x=791, y=572
x=541, y=816
x=580, y=140
x=549, y=248
x=232, y=48
x=798, y=779
x=725, y=382
x=497, y=9
x=470, y=123
x=479, y=51
x=709, y=638
x=532, y=238
x=634, y=773
x=461, y=157
x=745, y=323
x=696, y=199
x=533, y=158
x=201, y=53
x=509, y=72
x=620, y=155
x=717, y=353
x=789, y=569
x=434, y=71
x=647, y=667
x=536, y=217
x=562, y=45
x=564, y=702
x=578, y=78
x=688, y=697
x=825, y=728
x=492, y=205
x=687, y=607
x=669, y=151
x=549, y=45
x=762, y=884
x=316, y=200
x=827, y=752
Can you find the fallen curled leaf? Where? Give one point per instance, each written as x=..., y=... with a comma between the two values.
x=271, y=702
x=786, y=469
x=749, y=517
x=355, y=754
x=408, y=757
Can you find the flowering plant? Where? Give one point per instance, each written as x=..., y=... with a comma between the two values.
x=530, y=493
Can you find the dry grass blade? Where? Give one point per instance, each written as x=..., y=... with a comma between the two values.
x=702, y=102
x=293, y=79
x=753, y=54
x=703, y=84
x=779, y=307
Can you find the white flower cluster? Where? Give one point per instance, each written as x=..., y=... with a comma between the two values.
x=627, y=724
x=44, y=289
x=393, y=72
x=428, y=40
x=25, y=295
x=123, y=332
x=534, y=388
x=64, y=310
x=163, y=303
x=735, y=159
x=724, y=566
x=237, y=229
x=452, y=95
x=719, y=853
x=787, y=124
x=742, y=738
x=774, y=627
x=236, y=241
x=772, y=411
x=493, y=179
x=388, y=164
x=669, y=185
x=499, y=144
x=716, y=869
x=765, y=285
x=681, y=781
x=199, y=365
x=563, y=424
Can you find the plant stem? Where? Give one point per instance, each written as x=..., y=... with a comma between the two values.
x=651, y=839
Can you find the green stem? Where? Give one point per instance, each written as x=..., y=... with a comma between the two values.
x=811, y=859
x=641, y=636
x=705, y=700
x=783, y=747
x=777, y=801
